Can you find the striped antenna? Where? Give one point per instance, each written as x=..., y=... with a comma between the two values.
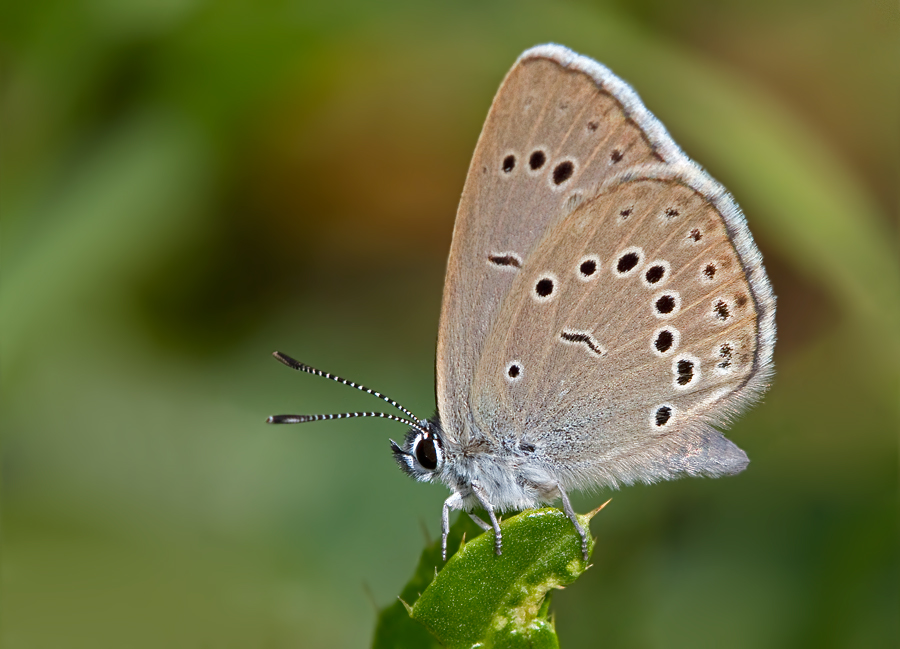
x=302, y=419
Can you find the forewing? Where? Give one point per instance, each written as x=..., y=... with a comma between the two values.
x=560, y=126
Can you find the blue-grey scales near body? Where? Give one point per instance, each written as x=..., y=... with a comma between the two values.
x=604, y=306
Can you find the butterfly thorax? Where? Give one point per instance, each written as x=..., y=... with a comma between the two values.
x=509, y=473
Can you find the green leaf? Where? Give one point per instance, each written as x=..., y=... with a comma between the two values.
x=395, y=628
x=489, y=600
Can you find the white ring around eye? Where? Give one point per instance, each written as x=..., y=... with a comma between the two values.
x=435, y=443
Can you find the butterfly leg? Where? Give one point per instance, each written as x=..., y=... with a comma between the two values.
x=480, y=523
x=567, y=508
x=453, y=502
x=478, y=490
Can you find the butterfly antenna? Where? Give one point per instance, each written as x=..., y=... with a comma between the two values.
x=413, y=421
x=302, y=419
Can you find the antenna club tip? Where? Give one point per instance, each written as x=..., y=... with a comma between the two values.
x=287, y=360
x=270, y=420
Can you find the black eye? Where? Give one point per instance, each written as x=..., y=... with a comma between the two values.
x=426, y=453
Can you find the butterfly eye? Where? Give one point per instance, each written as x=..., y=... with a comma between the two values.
x=427, y=452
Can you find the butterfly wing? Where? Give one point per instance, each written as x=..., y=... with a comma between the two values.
x=609, y=303
x=547, y=104
x=624, y=362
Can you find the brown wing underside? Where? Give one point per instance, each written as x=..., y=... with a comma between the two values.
x=659, y=260
x=545, y=109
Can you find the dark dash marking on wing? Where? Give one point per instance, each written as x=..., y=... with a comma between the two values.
x=576, y=337
x=505, y=260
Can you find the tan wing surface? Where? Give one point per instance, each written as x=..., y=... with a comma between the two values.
x=517, y=182
x=639, y=345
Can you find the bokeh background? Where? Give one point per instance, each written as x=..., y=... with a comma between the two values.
x=188, y=185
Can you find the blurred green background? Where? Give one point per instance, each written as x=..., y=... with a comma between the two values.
x=189, y=185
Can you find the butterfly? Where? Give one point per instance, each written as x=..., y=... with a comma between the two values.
x=605, y=306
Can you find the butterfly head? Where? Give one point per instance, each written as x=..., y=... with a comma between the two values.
x=422, y=454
